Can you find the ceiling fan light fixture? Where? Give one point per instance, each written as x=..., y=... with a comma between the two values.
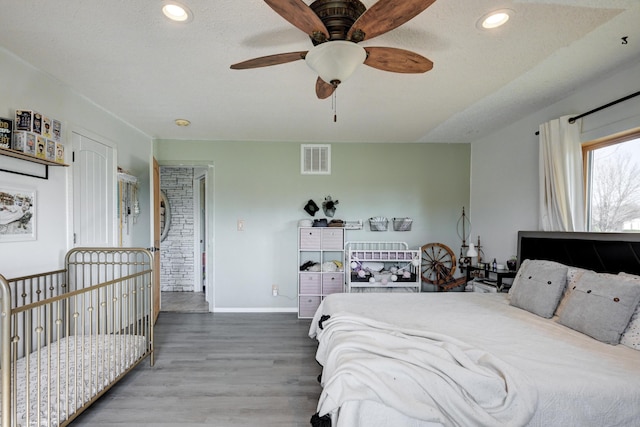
x=494, y=19
x=335, y=61
x=176, y=11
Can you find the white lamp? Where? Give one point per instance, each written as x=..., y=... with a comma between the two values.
x=471, y=252
x=335, y=61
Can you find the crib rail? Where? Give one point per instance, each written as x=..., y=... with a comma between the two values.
x=5, y=355
x=29, y=289
x=69, y=335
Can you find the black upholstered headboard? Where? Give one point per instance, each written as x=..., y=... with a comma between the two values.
x=601, y=252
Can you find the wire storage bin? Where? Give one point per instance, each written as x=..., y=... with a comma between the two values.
x=378, y=223
x=402, y=224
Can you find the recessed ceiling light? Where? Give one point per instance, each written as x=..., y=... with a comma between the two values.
x=176, y=11
x=494, y=19
x=182, y=122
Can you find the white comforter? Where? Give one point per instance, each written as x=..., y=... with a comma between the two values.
x=579, y=381
x=425, y=375
x=72, y=371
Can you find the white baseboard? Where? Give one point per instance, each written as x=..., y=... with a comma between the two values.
x=255, y=310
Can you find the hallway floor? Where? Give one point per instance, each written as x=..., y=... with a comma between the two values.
x=183, y=302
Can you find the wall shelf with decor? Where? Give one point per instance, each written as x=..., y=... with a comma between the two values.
x=6, y=152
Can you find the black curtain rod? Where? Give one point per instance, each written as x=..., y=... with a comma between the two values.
x=602, y=107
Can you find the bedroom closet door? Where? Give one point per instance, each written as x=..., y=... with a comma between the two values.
x=94, y=192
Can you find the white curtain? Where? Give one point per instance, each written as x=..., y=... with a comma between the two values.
x=561, y=178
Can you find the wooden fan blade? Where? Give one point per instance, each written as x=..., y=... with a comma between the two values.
x=385, y=15
x=396, y=60
x=324, y=89
x=301, y=16
x=266, y=61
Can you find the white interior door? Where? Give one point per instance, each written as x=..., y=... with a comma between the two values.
x=93, y=192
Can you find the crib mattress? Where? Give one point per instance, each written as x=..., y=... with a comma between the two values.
x=72, y=371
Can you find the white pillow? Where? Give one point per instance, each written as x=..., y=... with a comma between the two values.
x=372, y=266
x=631, y=336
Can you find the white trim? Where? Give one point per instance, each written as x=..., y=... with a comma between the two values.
x=257, y=310
x=197, y=273
x=210, y=213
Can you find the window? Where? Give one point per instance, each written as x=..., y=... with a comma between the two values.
x=612, y=177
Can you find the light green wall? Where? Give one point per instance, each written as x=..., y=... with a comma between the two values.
x=261, y=184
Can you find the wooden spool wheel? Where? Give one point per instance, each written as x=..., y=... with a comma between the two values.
x=438, y=266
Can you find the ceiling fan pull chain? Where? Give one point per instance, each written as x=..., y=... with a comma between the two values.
x=334, y=105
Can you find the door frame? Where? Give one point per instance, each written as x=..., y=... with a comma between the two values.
x=155, y=247
x=197, y=229
x=210, y=229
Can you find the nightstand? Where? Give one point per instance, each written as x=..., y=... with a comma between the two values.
x=492, y=277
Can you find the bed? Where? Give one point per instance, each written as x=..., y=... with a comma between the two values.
x=493, y=359
x=69, y=335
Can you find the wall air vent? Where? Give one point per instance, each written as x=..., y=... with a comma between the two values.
x=315, y=159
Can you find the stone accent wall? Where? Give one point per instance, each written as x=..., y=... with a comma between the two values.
x=176, y=251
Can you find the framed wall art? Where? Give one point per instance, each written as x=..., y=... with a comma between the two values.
x=17, y=214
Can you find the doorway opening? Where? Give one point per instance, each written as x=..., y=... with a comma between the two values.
x=183, y=251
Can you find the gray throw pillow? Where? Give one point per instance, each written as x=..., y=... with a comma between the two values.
x=573, y=275
x=538, y=286
x=600, y=305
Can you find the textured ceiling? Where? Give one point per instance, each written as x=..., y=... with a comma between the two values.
x=127, y=58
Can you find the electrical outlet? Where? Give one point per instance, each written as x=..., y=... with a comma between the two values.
x=274, y=290
x=240, y=225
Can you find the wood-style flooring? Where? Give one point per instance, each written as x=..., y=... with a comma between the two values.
x=218, y=370
x=183, y=302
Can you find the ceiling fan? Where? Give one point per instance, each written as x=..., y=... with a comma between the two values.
x=335, y=27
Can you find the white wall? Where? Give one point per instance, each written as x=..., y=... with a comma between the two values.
x=504, y=165
x=25, y=87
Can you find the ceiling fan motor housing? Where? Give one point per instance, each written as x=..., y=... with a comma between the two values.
x=338, y=16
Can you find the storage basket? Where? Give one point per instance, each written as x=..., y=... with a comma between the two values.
x=378, y=224
x=402, y=224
